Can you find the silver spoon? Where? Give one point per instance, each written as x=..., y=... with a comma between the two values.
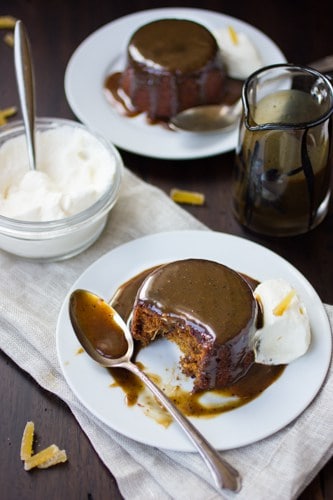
x=211, y=118
x=207, y=118
x=25, y=85
x=107, y=339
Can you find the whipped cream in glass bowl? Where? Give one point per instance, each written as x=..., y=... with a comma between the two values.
x=61, y=208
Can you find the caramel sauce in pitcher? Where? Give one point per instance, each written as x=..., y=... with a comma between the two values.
x=282, y=175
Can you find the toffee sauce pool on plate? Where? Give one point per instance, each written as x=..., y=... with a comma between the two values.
x=249, y=387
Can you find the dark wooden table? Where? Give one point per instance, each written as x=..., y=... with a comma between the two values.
x=303, y=30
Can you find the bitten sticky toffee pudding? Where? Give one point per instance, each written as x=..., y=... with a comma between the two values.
x=209, y=311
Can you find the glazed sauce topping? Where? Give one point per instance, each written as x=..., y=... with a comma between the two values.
x=93, y=316
x=172, y=45
x=123, y=300
x=195, y=289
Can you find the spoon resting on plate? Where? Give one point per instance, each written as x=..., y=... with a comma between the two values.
x=223, y=117
x=25, y=85
x=107, y=339
x=208, y=118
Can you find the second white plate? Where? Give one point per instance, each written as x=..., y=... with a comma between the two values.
x=104, y=52
x=277, y=406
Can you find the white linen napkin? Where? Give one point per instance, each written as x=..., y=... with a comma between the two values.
x=278, y=467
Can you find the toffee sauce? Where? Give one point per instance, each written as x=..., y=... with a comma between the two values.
x=246, y=389
x=92, y=315
x=257, y=379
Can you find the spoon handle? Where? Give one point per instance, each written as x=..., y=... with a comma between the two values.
x=225, y=476
x=25, y=84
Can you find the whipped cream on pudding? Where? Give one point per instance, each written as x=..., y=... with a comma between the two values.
x=73, y=170
x=285, y=333
x=239, y=54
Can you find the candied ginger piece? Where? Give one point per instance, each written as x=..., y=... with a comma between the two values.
x=9, y=39
x=6, y=113
x=59, y=457
x=41, y=457
x=233, y=35
x=27, y=441
x=190, y=197
x=7, y=22
x=284, y=304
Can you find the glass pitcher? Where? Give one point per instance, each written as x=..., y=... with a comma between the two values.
x=284, y=153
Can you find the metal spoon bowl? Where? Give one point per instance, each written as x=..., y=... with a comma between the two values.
x=208, y=118
x=112, y=346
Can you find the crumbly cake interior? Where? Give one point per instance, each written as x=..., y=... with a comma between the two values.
x=151, y=326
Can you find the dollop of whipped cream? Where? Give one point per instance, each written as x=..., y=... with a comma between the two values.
x=240, y=55
x=285, y=334
x=73, y=170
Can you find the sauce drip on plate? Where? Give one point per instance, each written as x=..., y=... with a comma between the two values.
x=257, y=379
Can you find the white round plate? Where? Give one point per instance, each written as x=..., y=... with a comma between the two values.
x=277, y=406
x=104, y=52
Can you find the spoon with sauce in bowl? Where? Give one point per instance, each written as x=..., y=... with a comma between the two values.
x=107, y=339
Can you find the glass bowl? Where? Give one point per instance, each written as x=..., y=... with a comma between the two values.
x=68, y=236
